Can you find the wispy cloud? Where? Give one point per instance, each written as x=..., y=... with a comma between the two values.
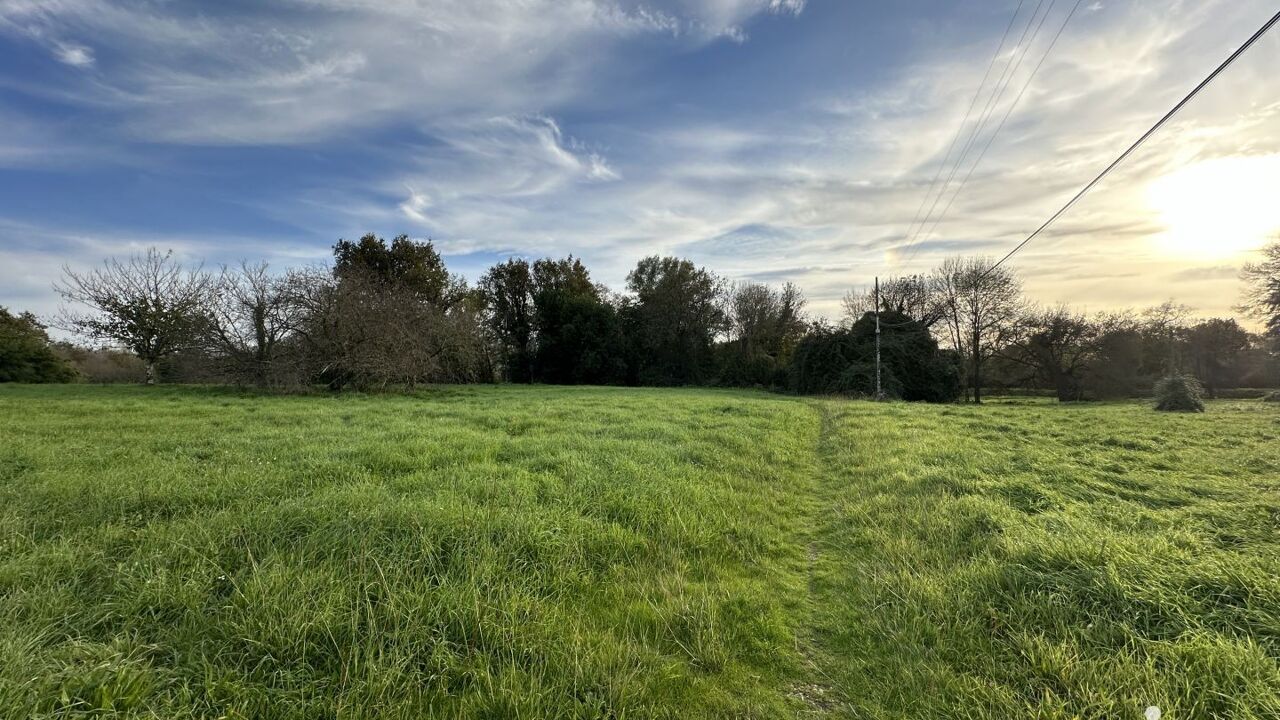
x=307, y=70
x=516, y=126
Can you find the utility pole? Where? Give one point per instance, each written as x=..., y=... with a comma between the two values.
x=977, y=362
x=879, y=389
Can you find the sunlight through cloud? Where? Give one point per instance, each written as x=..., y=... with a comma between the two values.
x=1218, y=208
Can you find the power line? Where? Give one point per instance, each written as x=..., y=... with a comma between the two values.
x=946, y=159
x=997, y=92
x=1145, y=136
x=992, y=103
x=1005, y=119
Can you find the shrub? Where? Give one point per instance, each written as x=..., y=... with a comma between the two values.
x=1179, y=393
x=1241, y=393
x=842, y=361
x=102, y=365
x=25, y=354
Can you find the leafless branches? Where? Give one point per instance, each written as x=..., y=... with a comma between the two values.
x=149, y=304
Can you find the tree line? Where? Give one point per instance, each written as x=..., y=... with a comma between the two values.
x=388, y=315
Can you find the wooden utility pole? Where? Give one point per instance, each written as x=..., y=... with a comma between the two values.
x=977, y=362
x=879, y=389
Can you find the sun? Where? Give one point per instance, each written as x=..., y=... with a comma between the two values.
x=1218, y=208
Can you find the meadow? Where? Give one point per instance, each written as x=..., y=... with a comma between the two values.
x=537, y=552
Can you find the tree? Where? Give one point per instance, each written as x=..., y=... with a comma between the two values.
x=1214, y=348
x=1262, y=289
x=361, y=332
x=252, y=315
x=568, y=275
x=676, y=317
x=410, y=265
x=979, y=305
x=579, y=334
x=842, y=361
x=1116, y=369
x=150, y=305
x=1058, y=347
x=913, y=295
x=1164, y=330
x=580, y=340
x=507, y=289
x=764, y=327
x=26, y=355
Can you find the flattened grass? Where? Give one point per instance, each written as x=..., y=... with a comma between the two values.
x=517, y=552
x=1037, y=560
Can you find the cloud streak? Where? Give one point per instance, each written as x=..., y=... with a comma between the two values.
x=567, y=126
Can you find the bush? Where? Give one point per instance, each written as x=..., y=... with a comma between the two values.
x=1179, y=393
x=25, y=353
x=102, y=365
x=1241, y=393
x=842, y=361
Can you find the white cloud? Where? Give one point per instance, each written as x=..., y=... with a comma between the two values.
x=826, y=193
x=308, y=69
x=74, y=55
x=821, y=194
x=32, y=256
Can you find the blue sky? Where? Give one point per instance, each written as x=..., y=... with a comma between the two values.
x=768, y=139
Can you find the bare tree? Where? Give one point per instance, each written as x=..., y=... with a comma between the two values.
x=1165, y=329
x=1058, y=347
x=980, y=304
x=252, y=315
x=358, y=331
x=150, y=304
x=1262, y=289
x=912, y=295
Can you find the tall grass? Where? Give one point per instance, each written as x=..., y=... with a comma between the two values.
x=603, y=552
x=465, y=553
x=1030, y=560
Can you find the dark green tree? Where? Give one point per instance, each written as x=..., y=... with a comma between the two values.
x=567, y=275
x=405, y=263
x=675, y=318
x=1116, y=370
x=580, y=341
x=841, y=361
x=1056, y=347
x=25, y=353
x=507, y=289
x=764, y=326
x=579, y=337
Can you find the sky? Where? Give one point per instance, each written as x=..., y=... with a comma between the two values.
x=769, y=140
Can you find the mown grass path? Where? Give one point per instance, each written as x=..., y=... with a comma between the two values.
x=520, y=552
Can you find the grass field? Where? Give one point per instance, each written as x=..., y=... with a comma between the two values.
x=510, y=552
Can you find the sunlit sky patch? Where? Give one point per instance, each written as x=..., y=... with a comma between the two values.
x=776, y=140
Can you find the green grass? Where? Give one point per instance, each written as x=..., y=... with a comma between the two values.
x=520, y=552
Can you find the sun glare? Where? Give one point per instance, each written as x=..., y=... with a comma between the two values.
x=1218, y=208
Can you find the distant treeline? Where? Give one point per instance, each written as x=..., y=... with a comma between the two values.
x=391, y=316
